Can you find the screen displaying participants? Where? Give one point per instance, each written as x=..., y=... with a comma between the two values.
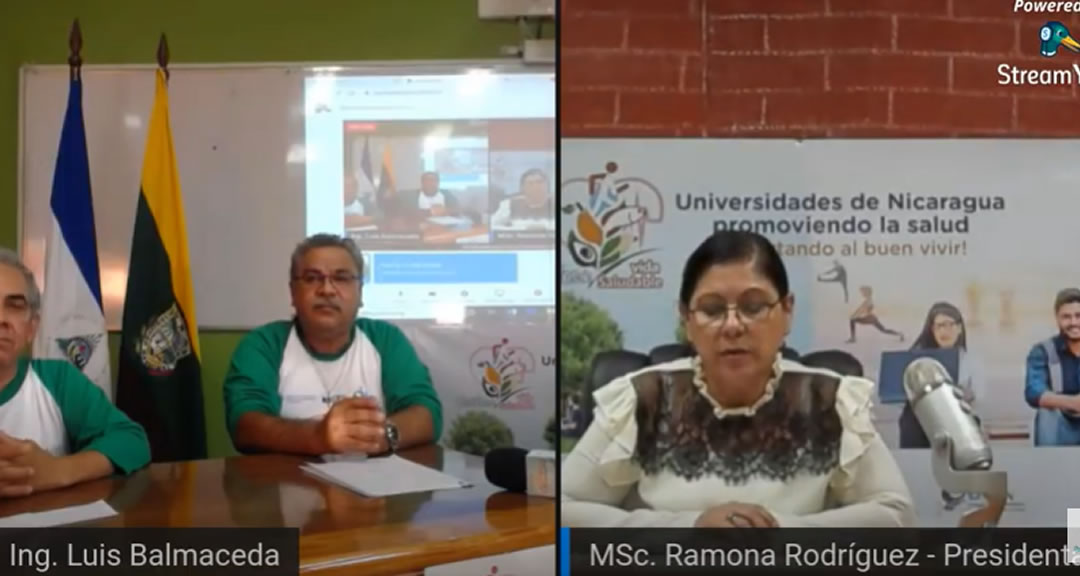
x=445, y=181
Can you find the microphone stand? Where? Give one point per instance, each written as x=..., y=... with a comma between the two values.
x=992, y=484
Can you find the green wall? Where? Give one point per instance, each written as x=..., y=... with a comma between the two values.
x=127, y=31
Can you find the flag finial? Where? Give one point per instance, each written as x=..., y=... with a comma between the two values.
x=75, y=42
x=163, y=55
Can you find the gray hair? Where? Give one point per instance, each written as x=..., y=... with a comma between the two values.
x=8, y=257
x=325, y=241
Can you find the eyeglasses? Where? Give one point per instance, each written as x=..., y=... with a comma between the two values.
x=318, y=279
x=746, y=312
x=946, y=325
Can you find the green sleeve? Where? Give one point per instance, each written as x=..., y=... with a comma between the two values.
x=251, y=384
x=406, y=381
x=92, y=422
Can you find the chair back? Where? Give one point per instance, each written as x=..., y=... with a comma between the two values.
x=670, y=352
x=607, y=366
x=839, y=361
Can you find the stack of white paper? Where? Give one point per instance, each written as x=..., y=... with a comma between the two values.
x=59, y=517
x=379, y=477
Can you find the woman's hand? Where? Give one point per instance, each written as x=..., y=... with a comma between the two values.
x=736, y=515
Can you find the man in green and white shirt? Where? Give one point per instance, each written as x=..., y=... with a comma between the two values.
x=57, y=428
x=327, y=382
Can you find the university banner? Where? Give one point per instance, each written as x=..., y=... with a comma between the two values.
x=160, y=383
x=492, y=380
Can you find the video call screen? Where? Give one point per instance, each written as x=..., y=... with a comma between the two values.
x=446, y=182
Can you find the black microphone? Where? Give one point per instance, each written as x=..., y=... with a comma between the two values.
x=520, y=470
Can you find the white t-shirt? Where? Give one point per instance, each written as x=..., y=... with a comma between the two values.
x=425, y=202
x=355, y=208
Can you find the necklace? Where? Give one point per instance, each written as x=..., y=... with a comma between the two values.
x=331, y=385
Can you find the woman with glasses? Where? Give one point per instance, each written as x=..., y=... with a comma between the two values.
x=735, y=436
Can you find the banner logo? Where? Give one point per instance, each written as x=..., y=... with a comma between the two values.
x=502, y=370
x=79, y=349
x=606, y=217
x=163, y=342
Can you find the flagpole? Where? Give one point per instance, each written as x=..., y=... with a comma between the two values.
x=75, y=42
x=163, y=56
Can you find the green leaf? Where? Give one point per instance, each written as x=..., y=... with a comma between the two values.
x=609, y=247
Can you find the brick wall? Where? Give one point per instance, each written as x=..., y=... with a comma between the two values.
x=806, y=68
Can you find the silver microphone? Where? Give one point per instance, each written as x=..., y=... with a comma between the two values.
x=940, y=410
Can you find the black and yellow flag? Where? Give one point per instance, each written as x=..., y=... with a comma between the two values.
x=160, y=382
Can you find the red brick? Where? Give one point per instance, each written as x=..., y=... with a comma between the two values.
x=668, y=34
x=889, y=132
x=974, y=74
x=892, y=70
x=737, y=35
x=1049, y=116
x=636, y=7
x=995, y=9
x=759, y=7
x=830, y=33
x=727, y=110
x=596, y=131
x=958, y=112
x=693, y=76
x=757, y=72
x=746, y=132
x=826, y=108
x=907, y=7
x=649, y=108
x=592, y=107
x=591, y=31
x=584, y=69
x=941, y=35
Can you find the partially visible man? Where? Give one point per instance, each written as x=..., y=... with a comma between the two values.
x=57, y=428
x=531, y=208
x=432, y=200
x=327, y=382
x=1052, y=383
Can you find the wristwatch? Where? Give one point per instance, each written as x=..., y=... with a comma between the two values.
x=392, y=438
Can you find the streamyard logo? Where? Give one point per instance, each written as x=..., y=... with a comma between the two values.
x=1054, y=38
x=606, y=217
x=502, y=370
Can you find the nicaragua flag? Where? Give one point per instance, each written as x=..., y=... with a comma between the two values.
x=72, y=318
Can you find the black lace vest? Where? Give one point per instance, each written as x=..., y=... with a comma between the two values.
x=797, y=431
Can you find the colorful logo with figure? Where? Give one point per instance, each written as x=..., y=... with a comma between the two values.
x=1053, y=36
x=502, y=370
x=606, y=217
x=79, y=349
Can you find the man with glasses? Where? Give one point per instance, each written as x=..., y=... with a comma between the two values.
x=327, y=382
x=57, y=428
x=1052, y=380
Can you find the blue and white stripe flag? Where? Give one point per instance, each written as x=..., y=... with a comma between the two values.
x=72, y=317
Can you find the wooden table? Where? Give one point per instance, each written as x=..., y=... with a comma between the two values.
x=340, y=532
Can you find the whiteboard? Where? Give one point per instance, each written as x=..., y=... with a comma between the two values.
x=238, y=132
